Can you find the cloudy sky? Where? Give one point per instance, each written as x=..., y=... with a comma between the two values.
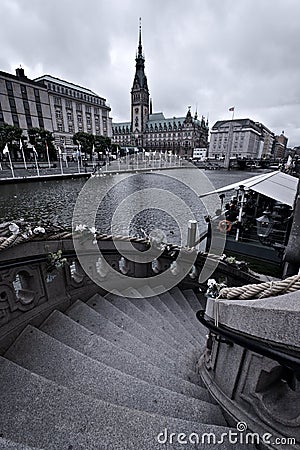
x=209, y=54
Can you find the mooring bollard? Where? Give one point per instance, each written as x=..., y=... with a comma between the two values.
x=191, y=236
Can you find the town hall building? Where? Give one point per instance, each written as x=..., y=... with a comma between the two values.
x=153, y=131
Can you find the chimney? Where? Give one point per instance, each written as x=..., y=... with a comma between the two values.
x=20, y=73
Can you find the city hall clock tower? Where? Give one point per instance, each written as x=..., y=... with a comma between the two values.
x=139, y=97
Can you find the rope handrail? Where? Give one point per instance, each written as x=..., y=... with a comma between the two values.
x=261, y=290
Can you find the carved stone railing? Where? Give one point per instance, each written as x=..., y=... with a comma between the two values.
x=31, y=288
x=252, y=365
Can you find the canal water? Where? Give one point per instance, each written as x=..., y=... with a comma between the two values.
x=54, y=200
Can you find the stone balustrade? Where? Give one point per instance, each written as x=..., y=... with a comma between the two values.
x=260, y=390
x=30, y=288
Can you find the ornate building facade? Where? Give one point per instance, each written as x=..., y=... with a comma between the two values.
x=56, y=105
x=240, y=138
x=75, y=108
x=153, y=131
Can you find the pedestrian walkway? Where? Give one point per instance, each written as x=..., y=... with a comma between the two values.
x=74, y=170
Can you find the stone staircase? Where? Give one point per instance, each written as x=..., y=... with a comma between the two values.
x=113, y=373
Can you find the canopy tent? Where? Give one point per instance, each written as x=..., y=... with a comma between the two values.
x=276, y=185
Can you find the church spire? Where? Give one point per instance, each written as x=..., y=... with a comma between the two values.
x=139, y=92
x=140, y=48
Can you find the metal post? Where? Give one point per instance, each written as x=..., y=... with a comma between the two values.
x=191, y=237
x=240, y=213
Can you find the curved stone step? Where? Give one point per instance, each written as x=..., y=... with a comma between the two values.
x=44, y=414
x=139, y=331
x=182, y=302
x=153, y=313
x=49, y=358
x=177, y=322
x=76, y=336
x=154, y=326
x=93, y=321
x=186, y=320
x=193, y=300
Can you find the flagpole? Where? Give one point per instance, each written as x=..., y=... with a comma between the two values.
x=10, y=162
x=61, y=167
x=78, y=161
x=65, y=153
x=47, y=151
x=23, y=155
x=36, y=163
x=232, y=114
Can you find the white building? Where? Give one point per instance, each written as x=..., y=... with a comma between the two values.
x=200, y=153
x=75, y=108
x=240, y=138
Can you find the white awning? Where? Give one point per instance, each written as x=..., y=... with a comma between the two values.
x=277, y=185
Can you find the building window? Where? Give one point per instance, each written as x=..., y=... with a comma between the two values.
x=15, y=120
x=58, y=114
x=36, y=93
x=9, y=87
x=57, y=101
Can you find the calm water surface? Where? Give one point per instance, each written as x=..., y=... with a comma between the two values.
x=54, y=200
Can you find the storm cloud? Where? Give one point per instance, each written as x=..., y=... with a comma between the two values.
x=207, y=54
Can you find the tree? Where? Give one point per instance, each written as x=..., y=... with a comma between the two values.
x=11, y=135
x=38, y=137
x=102, y=144
x=86, y=141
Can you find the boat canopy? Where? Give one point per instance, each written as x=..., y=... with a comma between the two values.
x=276, y=185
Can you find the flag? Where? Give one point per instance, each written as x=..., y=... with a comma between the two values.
x=289, y=161
x=5, y=150
x=231, y=109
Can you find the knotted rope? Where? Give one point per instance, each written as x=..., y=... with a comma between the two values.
x=261, y=290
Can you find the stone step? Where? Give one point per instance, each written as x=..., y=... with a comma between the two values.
x=6, y=444
x=173, y=318
x=93, y=321
x=194, y=301
x=178, y=332
x=175, y=321
x=182, y=302
x=153, y=313
x=90, y=344
x=49, y=358
x=172, y=304
x=155, y=326
x=140, y=331
x=43, y=414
